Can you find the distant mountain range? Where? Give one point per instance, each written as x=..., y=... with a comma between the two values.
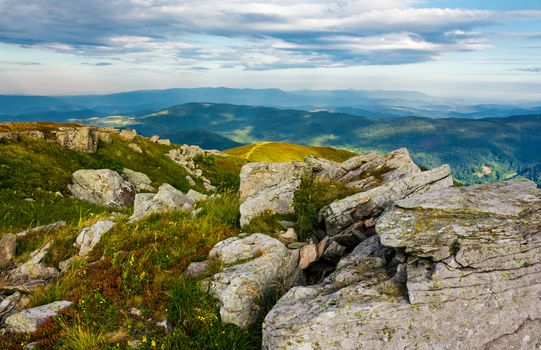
x=386, y=104
x=479, y=150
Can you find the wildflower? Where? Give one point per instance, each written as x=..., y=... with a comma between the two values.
x=142, y=275
x=153, y=344
x=144, y=340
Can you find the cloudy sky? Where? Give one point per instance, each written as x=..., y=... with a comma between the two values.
x=486, y=49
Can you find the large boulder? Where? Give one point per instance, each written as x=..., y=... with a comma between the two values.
x=343, y=217
x=459, y=268
x=102, y=186
x=252, y=268
x=8, y=243
x=89, y=237
x=168, y=198
x=28, y=320
x=80, y=139
x=371, y=170
x=269, y=187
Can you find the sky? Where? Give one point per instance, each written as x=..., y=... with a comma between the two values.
x=487, y=50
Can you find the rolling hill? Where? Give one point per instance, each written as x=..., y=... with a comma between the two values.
x=285, y=152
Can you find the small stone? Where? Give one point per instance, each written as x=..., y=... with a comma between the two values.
x=190, y=180
x=8, y=244
x=154, y=138
x=135, y=312
x=31, y=200
x=288, y=237
x=195, y=196
x=164, y=142
x=197, y=269
x=128, y=134
x=308, y=256
x=334, y=251
x=135, y=147
x=322, y=245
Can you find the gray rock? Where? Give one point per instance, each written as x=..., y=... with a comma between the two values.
x=190, y=180
x=168, y=198
x=8, y=244
x=472, y=279
x=28, y=320
x=141, y=181
x=253, y=267
x=135, y=147
x=33, y=134
x=372, y=170
x=54, y=226
x=91, y=236
x=196, y=197
x=80, y=139
x=197, y=269
x=9, y=136
x=319, y=165
x=166, y=142
x=34, y=268
x=257, y=177
x=288, y=237
x=128, y=134
x=9, y=304
x=334, y=251
x=277, y=199
x=102, y=186
x=154, y=138
x=345, y=214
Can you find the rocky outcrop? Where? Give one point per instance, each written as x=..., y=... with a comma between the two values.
x=8, y=243
x=368, y=171
x=128, y=134
x=89, y=237
x=27, y=321
x=269, y=187
x=345, y=218
x=102, y=186
x=141, y=181
x=184, y=157
x=34, y=268
x=457, y=268
x=81, y=139
x=252, y=268
x=168, y=198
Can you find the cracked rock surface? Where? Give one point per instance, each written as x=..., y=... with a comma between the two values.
x=457, y=268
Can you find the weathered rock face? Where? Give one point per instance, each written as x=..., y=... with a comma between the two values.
x=27, y=321
x=102, y=186
x=252, y=269
x=53, y=226
x=128, y=134
x=269, y=186
x=168, y=198
x=8, y=243
x=368, y=171
x=342, y=218
x=141, y=181
x=91, y=236
x=459, y=268
x=80, y=139
x=256, y=177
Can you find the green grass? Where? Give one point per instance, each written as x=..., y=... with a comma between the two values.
x=286, y=152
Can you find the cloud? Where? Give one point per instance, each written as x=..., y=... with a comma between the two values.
x=250, y=34
x=98, y=64
x=20, y=63
x=530, y=69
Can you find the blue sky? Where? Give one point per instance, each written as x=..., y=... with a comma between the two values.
x=484, y=50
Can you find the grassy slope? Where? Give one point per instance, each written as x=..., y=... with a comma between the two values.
x=286, y=152
x=135, y=265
